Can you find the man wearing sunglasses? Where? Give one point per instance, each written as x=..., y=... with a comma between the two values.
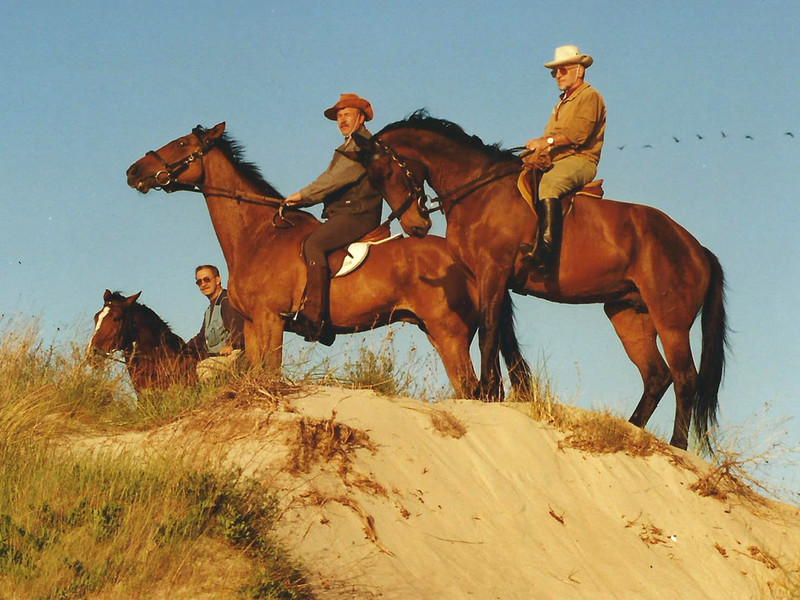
x=220, y=343
x=574, y=138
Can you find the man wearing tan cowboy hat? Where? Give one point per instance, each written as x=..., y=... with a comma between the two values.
x=352, y=208
x=574, y=138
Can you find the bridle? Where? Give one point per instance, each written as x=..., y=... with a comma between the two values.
x=416, y=192
x=128, y=339
x=166, y=179
x=171, y=171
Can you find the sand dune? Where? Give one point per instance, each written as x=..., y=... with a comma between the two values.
x=392, y=498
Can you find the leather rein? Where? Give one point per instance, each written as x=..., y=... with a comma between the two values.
x=417, y=194
x=166, y=180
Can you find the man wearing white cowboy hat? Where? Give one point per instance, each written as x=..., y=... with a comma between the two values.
x=352, y=208
x=574, y=138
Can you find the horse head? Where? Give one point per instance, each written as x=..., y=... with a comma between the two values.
x=109, y=325
x=390, y=174
x=176, y=165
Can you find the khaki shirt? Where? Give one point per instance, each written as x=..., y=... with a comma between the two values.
x=582, y=118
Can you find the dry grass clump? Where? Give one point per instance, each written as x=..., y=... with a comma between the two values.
x=325, y=441
x=596, y=432
x=256, y=387
x=726, y=478
x=47, y=391
x=447, y=424
x=604, y=432
x=741, y=458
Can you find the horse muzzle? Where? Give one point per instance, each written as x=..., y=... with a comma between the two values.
x=420, y=230
x=137, y=181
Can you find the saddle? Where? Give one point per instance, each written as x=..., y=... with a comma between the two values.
x=345, y=261
x=529, y=190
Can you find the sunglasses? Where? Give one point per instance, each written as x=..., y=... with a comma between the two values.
x=561, y=70
x=202, y=281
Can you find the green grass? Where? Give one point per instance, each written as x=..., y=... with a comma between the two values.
x=80, y=524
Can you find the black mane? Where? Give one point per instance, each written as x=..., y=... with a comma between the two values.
x=234, y=152
x=421, y=119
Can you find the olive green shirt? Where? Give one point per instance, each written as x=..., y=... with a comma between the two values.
x=581, y=117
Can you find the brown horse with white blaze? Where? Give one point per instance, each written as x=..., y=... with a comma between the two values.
x=411, y=279
x=154, y=355
x=652, y=276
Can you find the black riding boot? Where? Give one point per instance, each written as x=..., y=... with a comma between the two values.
x=544, y=256
x=313, y=321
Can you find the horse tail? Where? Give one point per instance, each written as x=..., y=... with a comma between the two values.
x=712, y=358
x=518, y=370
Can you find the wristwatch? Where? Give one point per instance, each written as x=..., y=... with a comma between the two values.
x=550, y=141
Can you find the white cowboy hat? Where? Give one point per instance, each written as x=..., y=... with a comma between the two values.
x=569, y=55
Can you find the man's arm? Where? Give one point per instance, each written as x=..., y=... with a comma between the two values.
x=234, y=324
x=197, y=345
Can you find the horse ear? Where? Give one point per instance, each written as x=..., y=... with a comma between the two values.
x=216, y=131
x=131, y=299
x=363, y=142
x=107, y=295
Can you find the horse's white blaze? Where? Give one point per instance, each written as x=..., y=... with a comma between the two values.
x=100, y=318
x=102, y=315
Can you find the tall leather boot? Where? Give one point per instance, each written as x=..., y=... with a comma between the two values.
x=544, y=256
x=314, y=319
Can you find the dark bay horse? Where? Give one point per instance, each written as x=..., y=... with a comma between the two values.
x=651, y=275
x=154, y=355
x=412, y=279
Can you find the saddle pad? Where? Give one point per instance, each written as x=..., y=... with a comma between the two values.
x=356, y=253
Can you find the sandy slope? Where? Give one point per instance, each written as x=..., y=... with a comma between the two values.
x=381, y=504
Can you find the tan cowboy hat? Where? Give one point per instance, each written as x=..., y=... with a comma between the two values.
x=569, y=55
x=350, y=101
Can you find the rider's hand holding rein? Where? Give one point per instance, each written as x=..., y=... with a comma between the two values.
x=292, y=200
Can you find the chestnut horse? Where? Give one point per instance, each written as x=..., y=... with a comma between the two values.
x=412, y=279
x=650, y=274
x=154, y=355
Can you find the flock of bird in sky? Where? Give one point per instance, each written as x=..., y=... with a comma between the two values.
x=701, y=137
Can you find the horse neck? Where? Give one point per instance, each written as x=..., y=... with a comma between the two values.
x=234, y=222
x=448, y=164
x=244, y=229
x=153, y=337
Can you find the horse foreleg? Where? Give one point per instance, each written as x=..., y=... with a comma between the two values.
x=638, y=335
x=264, y=343
x=491, y=303
x=453, y=349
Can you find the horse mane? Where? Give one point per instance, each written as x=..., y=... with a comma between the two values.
x=234, y=152
x=152, y=320
x=421, y=119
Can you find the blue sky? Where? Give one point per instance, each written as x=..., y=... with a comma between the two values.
x=90, y=88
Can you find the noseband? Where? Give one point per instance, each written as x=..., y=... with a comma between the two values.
x=171, y=171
